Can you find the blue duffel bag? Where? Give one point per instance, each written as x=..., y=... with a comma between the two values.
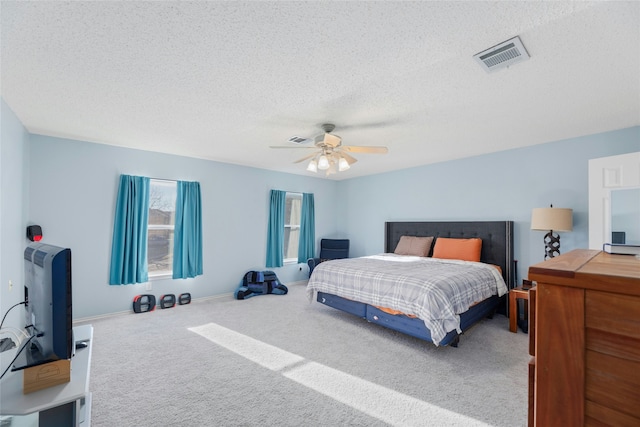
x=260, y=283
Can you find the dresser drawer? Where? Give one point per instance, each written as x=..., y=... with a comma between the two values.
x=612, y=324
x=613, y=383
x=598, y=416
x=615, y=313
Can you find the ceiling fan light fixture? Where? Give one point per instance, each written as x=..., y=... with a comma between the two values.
x=333, y=168
x=323, y=163
x=343, y=165
x=329, y=155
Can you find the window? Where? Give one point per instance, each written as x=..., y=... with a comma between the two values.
x=292, y=213
x=162, y=216
x=157, y=230
x=290, y=231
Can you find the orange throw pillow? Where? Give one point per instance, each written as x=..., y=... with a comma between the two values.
x=463, y=249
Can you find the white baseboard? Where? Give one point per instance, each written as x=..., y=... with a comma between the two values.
x=195, y=300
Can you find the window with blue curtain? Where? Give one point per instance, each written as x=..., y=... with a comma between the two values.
x=130, y=254
x=306, y=246
x=295, y=236
x=187, y=249
x=129, y=244
x=275, y=228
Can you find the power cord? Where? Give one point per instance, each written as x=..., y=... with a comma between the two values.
x=11, y=308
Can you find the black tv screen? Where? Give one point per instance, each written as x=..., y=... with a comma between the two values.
x=48, y=314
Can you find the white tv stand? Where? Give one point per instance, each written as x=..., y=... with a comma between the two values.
x=62, y=405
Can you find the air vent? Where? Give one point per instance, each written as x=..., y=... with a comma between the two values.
x=300, y=140
x=502, y=55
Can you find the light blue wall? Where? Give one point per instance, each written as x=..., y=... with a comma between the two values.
x=73, y=193
x=14, y=184
x=501, y=186
x=69, y=188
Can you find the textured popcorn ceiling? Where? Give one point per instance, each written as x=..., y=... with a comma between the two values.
x=225, y=80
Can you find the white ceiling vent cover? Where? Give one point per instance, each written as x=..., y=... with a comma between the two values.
x=502, y=55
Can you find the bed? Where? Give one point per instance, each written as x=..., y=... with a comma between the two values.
x=357, y=285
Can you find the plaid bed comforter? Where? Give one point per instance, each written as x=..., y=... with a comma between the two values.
x=434, y=290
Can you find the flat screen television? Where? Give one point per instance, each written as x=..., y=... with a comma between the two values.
x=48, y=315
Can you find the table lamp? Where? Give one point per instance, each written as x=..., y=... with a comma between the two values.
x=552, y=219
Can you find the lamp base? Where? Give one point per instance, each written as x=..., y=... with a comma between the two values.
x=551, y=245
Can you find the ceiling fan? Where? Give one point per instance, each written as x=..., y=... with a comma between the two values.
x=329, y=154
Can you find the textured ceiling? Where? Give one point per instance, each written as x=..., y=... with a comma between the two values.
x=225, y=80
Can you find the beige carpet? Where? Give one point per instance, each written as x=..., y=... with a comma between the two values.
x=280, y=361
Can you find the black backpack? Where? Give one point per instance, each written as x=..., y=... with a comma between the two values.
x=260, y=283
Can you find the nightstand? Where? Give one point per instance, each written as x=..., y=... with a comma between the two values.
x=514, y=295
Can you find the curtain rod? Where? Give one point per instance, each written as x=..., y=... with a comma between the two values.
x=163, y=179
x=169, y=180
x=292, y=192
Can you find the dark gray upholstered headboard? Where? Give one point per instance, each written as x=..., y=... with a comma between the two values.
x=497, y=239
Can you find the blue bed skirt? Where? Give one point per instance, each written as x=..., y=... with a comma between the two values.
x=410, y=325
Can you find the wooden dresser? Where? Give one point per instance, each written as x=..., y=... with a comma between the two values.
x=585, y=340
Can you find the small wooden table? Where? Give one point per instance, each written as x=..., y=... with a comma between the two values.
x=514, y=295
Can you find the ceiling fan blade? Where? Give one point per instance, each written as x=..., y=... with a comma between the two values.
x=361, y=149
x=372, y=125
x=306, y=158
x=348, y=158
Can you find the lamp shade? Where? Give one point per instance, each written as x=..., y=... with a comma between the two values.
x=556, y=219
